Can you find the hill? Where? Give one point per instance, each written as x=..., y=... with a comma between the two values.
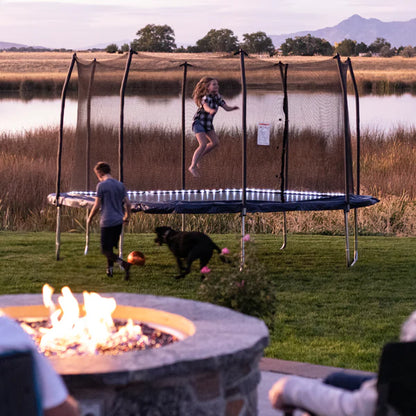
x=8, y=45
x=362, y=30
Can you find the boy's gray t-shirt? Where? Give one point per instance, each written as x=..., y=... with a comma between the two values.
x=112, y=193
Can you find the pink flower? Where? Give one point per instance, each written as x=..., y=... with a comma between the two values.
x=205, y=270
x=246, y=237
x=241, y=284
x=225, y=251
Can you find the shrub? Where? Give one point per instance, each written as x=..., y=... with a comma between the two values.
x=249, y=289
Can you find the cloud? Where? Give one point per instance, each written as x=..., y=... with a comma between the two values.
x=83, y=23
x=64, y=25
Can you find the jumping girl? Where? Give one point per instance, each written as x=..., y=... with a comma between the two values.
x=207, y=98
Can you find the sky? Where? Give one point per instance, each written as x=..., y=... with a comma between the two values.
x=79, y=24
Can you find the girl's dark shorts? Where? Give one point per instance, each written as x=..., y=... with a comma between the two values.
x=198, y=127
x=110, y=237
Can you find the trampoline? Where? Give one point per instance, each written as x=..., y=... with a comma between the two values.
x=319, y=168
x=222, y=201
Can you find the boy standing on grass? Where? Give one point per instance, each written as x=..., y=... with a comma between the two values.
x=115, y=210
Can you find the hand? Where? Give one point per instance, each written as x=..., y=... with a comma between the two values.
x=69, y=407
x=276, y=394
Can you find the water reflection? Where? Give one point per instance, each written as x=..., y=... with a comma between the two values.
x=381, y=113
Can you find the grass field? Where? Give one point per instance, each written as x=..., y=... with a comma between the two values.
x=325, y=313
x=46, y=71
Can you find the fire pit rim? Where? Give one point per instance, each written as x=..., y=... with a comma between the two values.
x=220, y=333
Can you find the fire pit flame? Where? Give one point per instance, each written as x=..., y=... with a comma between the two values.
x=83, y=330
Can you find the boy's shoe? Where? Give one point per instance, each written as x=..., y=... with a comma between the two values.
x=109, y=271
x=126, y=267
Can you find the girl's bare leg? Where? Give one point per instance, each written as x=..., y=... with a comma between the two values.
x=203, y=140
x=213, y=142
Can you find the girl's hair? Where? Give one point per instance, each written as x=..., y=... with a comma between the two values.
x=201, y=89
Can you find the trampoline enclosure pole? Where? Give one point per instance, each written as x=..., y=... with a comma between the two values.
x=347, y=156
x=121, y=127
x=284, y=159
x=183, y=98
x=244, y=156
x=87, y=151
x=121, y=136
x=183, y=147
x=358, y=157
x=357, y=125
x=88, y=144
x=59, y=159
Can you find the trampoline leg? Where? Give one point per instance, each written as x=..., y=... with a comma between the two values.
x=347, y=239
x=183, y=222
x=87, y=234
x=120, y=244
x=284, y=232
x=58, y=232
x=355, y=238
x=243, y=233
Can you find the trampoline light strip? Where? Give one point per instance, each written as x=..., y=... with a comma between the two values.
x=220, y=190
x=228, y=194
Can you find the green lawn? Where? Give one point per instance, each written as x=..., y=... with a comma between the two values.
x=326, y=313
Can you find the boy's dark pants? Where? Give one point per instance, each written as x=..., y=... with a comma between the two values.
x=110, y=237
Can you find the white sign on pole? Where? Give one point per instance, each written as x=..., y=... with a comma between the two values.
x=263, y=134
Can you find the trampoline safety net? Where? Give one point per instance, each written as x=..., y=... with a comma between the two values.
x=290, y=133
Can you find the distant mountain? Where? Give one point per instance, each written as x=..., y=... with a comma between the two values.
x=362, y=30
x=8, y=45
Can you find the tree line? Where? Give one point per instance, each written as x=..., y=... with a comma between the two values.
x=161, y=38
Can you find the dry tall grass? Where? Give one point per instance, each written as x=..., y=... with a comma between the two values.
x=28, y=162
x=388, y=169
x=40, y=69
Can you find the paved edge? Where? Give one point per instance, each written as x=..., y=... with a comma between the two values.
x=303, y=369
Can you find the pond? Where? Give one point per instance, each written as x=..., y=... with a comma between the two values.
x=378, y=113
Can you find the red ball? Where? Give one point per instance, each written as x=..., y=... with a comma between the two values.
x=137, y=258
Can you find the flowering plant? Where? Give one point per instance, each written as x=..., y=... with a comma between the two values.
x=225, y=251
x=248, y=290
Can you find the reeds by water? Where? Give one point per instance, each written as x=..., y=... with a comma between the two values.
x=388, y=169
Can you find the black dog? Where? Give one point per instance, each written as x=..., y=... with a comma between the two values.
x=188, y=246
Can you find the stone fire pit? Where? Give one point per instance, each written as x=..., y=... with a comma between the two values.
x=212, y=371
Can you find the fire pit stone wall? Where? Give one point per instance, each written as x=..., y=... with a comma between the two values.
x=213, y=372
